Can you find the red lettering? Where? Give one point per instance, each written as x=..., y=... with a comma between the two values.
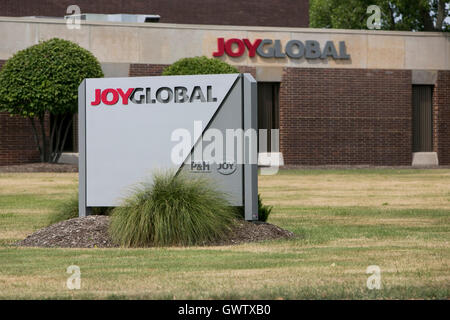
x=115, y=97
x=220, y=47
x=97, y=100
x=229, y=49
x=252, y=47
x=125, y=95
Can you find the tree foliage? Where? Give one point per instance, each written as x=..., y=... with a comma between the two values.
x=407, y=15
x=198, y=65
x=43, y=80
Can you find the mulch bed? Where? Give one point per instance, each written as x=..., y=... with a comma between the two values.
x=253, y=232
x=40, y=167
x=86, y=232
x=92, y=232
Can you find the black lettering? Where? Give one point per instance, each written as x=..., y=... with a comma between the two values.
x=290, y=49
x=277, y=47
x=147, y=95
x=270, y=51
x=180, y=95
x=141, y=98
x=329, y=51
x=197, y=94
x=209, y=96
x=343, y=51
x=312, y=49
x=159, y=95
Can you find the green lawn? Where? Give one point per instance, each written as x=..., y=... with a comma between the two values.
x=345, y=220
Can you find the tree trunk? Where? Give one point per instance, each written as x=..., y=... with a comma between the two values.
x=391, y=18
x=50, y=149
x=44, y=138
x=63, y=142
x=37, y=140
x=60, y=130
x=53, y=124
x=440, y=16
x=426, y=20
x=59, y=126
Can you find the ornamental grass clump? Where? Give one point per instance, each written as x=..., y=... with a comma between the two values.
x=64, y=211
x=263, y=210
x=68, y=209
x=172, y=210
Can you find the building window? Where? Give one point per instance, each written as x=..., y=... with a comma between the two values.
x=268, y=109
x=422, y=118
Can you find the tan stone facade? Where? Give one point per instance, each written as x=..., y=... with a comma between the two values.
x=166, y=43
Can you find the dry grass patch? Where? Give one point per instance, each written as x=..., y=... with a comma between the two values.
x=364, y=221
x=37, y=183
x=13, y=235
x=429, y=190
x=328, y=258
x=8, y=211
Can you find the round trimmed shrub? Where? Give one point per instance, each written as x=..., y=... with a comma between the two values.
x=172, y=210
x=43, y=79
x=198, y=65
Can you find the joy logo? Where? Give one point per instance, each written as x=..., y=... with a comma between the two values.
x=227, y=168
x=179, y=94
x=294, y=49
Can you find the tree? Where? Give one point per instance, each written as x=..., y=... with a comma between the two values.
x=43, y=81
x=198, y=65
x=407, y=15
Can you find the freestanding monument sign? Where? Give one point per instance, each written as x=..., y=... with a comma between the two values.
x=198, y=125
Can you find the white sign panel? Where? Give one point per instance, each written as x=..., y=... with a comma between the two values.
x=128, y=129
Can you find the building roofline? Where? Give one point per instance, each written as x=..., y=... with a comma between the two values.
x=227, y=27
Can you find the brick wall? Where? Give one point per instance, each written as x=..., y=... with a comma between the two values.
x=327, y=116
x=247, y=69
x=339, y=116
x=285, y=13
x=345, y=116
x=141, y=70
x=16, y=141
x=441, y=106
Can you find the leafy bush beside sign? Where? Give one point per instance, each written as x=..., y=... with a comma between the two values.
x=43, y=80
x=198, y=65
